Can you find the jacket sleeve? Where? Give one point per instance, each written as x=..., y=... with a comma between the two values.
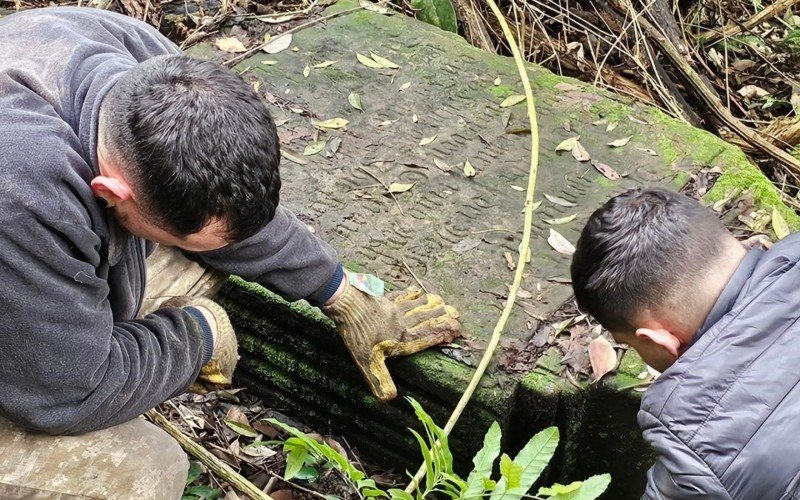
x=284, y=256
x=67, y=366
x=678, y=472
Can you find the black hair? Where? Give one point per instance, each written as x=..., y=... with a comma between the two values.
x=638, y=250
x=198, y=143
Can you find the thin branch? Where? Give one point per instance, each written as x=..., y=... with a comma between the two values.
x=415, y=276
x=384, y=187
x=776, y=8
x=241, y=57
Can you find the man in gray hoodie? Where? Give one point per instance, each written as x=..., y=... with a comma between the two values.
x=663, y=274
x=112, y=144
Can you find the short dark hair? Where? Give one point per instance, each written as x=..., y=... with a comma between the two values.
x=638, y=250
x=198, y=143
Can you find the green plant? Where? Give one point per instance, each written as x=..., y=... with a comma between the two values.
x=517, y=475
x=194, y=489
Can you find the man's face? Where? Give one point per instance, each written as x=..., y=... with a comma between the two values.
x=131, y=218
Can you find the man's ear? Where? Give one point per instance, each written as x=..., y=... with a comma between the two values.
x=661, y=337
x=111, y=189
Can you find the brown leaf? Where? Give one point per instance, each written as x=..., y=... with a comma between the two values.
x=282, y=495
x=560, y=244
x=606, y=170
x=579, y=152
x=265, y=428
x=235, y=414
x=510, y=261
x=230, y=44
x=602, y=356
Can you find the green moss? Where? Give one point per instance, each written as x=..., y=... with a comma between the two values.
x=502, y=90
x=739, y=174
x=631, y=364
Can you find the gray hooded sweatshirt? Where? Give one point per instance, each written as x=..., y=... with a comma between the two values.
x=73, y=358
x=725, y=418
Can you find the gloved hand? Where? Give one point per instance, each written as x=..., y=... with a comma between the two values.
x=218, y=372
x=402, y=323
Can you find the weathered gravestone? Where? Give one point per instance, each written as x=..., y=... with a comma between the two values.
x=451, y=230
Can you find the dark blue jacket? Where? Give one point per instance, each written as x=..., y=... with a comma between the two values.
x=725, y=418
x=73, y=356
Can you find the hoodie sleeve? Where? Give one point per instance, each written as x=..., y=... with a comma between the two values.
x=678, y=472
x=67, y=366
x=284, y=256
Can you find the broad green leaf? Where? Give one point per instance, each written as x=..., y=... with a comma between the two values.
x=195, y=470
x=512, y=100
x=426, y=457
x=307, y=473
x=314, y=148
x=332, y=123
x=533, y=459
x=567, y=144
x=559, y=489
x=240, y=428
x=483, y=462
x=441, y=452
x=588, y=490
x=510, y=472
x=385, y=63
x=368, y=62
x=779, y=225
x=398, y=494
x=374, y=493
x=439, y=13
x=296, y=458
x=204, y=492
x=355, y=100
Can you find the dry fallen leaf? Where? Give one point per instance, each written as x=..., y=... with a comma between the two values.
x=444, y=167
x=510, y=261
x=567, y=144
x=427, y=140
x=332, y=123
x=314, y=148
x=579, y=152
x=373, y=7
x=779, y=225
x=269, y=62
x=512, y=100
x=368, y=62
x=602, y=356
x=611, y=126
x=559, y=201
x=560, y=244
x=497, y=81
x=414, y=118
x=561, y=220
x=399, y=187
x=517, y=188
x=240, y=428
x=385, y=63
x=334, y=145
x=620, y=142
x=323, y=64
x=405, y=86
x=469, y=170
x=606, y=170
x=230, y=44
x=278, y=44
x=306, y=71
x=752, y=91
x=355, y=100
x=293, y=156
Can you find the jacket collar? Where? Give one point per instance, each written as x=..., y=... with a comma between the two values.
x=730, y=293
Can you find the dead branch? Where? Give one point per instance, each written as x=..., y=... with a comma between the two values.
x=711, y=101
x=776, y=8
x=215, y=465
x=474, y=26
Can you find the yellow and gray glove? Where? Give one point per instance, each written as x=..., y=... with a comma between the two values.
x=218, y=371
x=375, y=328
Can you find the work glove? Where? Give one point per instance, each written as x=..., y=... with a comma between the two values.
x=375, y=328
x=218, y=372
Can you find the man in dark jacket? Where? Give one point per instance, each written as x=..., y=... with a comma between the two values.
x=112, y=143
x=664, y=276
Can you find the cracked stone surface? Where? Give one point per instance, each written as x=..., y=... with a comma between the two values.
x=452, y=231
